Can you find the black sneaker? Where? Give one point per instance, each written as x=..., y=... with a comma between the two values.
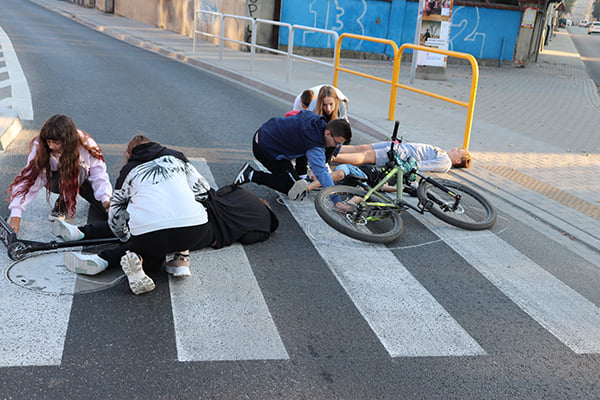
x=59, y=211
x=410, y=190
x=243, y=175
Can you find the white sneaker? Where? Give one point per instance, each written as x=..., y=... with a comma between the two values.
x=87, y=264
x=66, y=231
x=298, y=190
x=180, y=265
x=139, y=282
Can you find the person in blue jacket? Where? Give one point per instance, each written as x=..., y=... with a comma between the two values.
x=280, y=140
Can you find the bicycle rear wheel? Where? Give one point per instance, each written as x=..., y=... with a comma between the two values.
x=474, y=212
x=371, y=224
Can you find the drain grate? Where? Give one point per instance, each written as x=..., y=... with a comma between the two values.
x=553, y=193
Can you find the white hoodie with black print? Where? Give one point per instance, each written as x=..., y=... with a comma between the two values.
x=161, y=193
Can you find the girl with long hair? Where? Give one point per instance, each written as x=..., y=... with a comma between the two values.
x=67, y=161
x=329, y=104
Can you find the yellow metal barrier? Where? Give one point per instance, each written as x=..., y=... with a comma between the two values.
x=396, y=74
x=470, y=104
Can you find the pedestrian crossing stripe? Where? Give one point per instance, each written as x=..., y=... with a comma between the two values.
x=408, y=321
x=545, y=298
x=33, y=323
x=220, y=314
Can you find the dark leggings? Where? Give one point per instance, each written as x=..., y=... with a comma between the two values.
x=283, y=174
x=85, y=190
x=153, y=247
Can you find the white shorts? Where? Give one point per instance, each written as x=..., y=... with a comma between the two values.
x=381, y=153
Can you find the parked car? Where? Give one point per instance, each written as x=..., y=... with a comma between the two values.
x=584, y=23
x=594, y=27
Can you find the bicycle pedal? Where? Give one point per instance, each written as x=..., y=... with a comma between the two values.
x=426, y=206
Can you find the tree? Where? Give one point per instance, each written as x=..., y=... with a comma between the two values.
x=569, y=5
x=596, y=10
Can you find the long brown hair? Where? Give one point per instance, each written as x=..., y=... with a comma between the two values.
x=60, y=128
x=327, y=91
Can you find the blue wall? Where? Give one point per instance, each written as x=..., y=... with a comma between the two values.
x=475, y=30
x=480, y=31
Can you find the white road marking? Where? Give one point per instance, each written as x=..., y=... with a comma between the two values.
x=219, y=311
x=20, y=100
x=570, y=317
x=406, y=318
x=34, y=316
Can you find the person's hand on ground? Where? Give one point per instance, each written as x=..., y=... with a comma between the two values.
x=15, y=224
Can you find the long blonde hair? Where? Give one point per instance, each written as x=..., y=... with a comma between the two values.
x=327, y=91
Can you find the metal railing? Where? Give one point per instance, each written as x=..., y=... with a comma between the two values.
x=311, y=29
x=396, y=76
x=289, y=54
x=197, y=32
x=221, y=35
x=276, y=51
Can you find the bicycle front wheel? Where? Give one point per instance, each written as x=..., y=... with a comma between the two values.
x=370, y=224
x=474, y=212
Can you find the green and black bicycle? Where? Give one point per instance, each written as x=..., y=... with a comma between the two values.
x=375, y=216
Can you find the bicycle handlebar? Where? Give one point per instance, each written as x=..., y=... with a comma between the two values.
x=395, y=134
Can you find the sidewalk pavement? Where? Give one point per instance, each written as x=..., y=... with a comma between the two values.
x=534, y=138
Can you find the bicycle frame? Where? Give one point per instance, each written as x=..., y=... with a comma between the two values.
x=399, y=203
x=371, y=214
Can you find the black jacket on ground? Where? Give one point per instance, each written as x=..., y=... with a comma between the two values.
x=238, y=215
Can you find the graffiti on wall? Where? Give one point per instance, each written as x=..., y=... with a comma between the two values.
x=331, y=15
x=486, y=33
x=253, y=12
x=464, y=32
x=206, y=22
x=207, y=5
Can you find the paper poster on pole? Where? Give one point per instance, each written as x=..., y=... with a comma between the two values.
x=435, y=31
x=529, y=17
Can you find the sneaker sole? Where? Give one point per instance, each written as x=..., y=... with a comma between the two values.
x=81, y=265
x=139, y=282
x=179, y=271
x=297, y=189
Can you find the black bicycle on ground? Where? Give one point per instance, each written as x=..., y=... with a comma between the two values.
x=375, y=216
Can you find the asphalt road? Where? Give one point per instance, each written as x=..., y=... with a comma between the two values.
x=309, y=314
x=588, y=45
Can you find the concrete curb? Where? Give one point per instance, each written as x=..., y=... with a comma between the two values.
x=10, y=126
x=531, y=203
